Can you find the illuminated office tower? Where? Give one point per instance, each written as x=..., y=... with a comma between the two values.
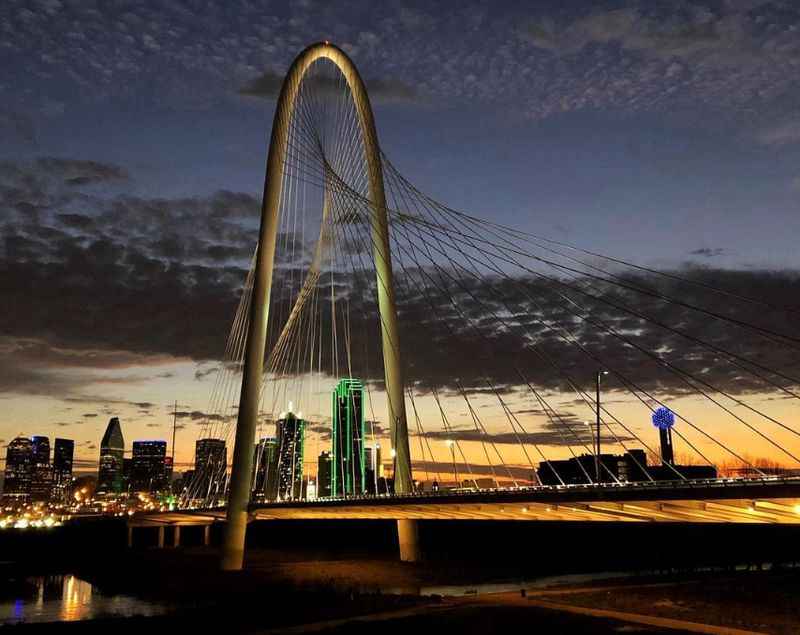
x=347, y=441
x=374, y=469
x=63, y=451
x=18, y=472
x=112, y=450
x=41, y=472
x=148, y=469
x=324, y=473
x=265, y=469
x=291, y=431
x=210, y=468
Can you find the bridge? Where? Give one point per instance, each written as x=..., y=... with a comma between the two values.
x=508, y=339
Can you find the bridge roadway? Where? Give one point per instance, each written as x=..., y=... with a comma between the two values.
x=770, y=500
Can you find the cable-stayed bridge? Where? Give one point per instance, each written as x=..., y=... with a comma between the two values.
x=508, y=374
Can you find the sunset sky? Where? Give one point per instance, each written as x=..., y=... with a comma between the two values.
x=134, y=137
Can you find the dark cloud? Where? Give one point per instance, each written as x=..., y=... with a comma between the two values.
x=74, y=172
x=202, y=373
x=202, y=417
x=431, y=470
x=323, y=430
x=708, y=252
x=135, y=282
x=546, y=60
x=567, y=431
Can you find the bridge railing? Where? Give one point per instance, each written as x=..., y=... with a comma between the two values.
x=688, y=484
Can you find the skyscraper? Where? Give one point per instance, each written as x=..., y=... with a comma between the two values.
x=291, y=432
x=148, y=472
x=210, y=469
x=168, y=470
x=63, y=451
x=18, y=473
x=347, y=442
x=112, y=450
x=324, y=473
x=265, y=469
x=147, y=465
x=374, y=470
x=41, y=474
x=127, y=472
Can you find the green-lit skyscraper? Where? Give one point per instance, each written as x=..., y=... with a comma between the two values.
x=349, y=457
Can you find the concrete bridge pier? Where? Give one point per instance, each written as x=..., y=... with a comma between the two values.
x=408, y=539
x=176, y=531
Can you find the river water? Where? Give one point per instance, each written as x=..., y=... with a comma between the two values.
x=65, y=598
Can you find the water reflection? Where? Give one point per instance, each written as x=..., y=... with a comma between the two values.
x=65, y=598
x=76, y=599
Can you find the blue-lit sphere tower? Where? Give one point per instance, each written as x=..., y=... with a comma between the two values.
x=664, y=419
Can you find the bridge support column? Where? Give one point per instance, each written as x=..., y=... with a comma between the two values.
x=176, y=536
x=161, y=533
x=130, y=536
x=206, y=535
x=408, y=538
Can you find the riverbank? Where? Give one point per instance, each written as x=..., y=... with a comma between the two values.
x=332, y=575
x=291, y=590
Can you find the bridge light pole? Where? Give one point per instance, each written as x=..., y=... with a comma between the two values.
x=598, y=375
x=452, y=445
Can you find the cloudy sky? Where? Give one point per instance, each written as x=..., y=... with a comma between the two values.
x=134, y=137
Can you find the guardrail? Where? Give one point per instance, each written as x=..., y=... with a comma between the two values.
x=467, y=493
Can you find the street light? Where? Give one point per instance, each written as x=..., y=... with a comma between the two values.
x=597, y=413
x=452, y=445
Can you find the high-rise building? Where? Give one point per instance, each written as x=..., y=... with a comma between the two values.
x=168, y=469
x=324, y=473
x=291, y=436
x=310, y=493
x=18, y=472
x=347, y=441
x=127, y=474
x=265, y=469
x=148, y=469
x=112, y=450
x=374, y=471
x=41, y=474
x=63, y=452
x=210, y=469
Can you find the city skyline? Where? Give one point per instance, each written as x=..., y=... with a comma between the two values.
x=477, y=316
x=629, y=113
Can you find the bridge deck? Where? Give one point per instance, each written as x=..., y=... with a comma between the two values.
x=721, y=500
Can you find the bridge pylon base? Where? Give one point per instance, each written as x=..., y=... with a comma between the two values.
x=408, y=538
x=233, y=542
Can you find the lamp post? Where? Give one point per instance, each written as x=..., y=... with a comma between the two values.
x=589, y=426
x=451, y=444
x=598, y=375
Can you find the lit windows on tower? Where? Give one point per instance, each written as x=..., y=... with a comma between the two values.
x=291, y=437
x=347, y=442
